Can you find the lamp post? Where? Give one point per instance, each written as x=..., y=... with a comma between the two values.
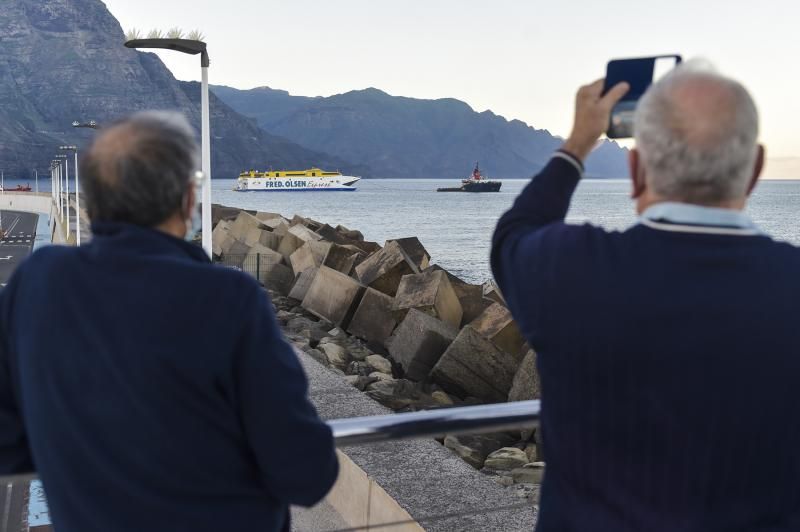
x=36, y=176
x=74, y=149
x=66, y=187
x=193, y=47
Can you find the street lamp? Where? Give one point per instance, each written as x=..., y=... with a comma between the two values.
x=66, y=182
x=77, y=192
x=193, y=47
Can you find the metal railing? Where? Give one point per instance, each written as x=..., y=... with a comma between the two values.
x=436, y=423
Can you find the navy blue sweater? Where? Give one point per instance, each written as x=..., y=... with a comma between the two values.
x=669, y=360
x=153, y=391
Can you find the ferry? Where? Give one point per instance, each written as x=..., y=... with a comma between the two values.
x=299, y=180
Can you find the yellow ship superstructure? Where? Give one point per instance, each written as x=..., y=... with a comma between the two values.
x=295, y=180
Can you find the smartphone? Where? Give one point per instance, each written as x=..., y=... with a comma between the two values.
x=640, y=73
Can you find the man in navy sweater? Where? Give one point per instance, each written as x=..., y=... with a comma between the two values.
x=149, y=389
x=669, y=354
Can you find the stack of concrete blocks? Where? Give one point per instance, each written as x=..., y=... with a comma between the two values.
x=435, y=326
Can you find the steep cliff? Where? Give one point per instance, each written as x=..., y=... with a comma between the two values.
x=64, y=60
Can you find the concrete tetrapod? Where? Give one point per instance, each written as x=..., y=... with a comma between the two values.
x=384, y=269
x=373, y=321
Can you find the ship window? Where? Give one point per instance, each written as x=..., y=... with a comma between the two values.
x=313, y=174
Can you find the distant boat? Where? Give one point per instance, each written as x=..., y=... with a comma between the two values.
x=18, y=188
x=475, y=183
x=295, y=180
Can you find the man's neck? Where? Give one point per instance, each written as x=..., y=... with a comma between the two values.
x=173, y=226
x=645, y=203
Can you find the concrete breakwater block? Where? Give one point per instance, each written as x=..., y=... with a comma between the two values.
x=473, y=366
x=526, y=385
x=243, y=223
x=418, y=343
x=264, y=216
x=236, y=253
x=269, y=239
x=492, y=291
x=289, y=244
x=373, y=320
x=333, y=296
x=341, y=258
x=415, y=251
x=260, y=259
x=497, y=325
x=384, y=269
x=304, y=233
x=303, y=283
x=279, y=278
x=430, y=292
x=218, y=236
x=309, y=255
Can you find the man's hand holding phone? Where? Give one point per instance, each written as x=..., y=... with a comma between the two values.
x=592, y=114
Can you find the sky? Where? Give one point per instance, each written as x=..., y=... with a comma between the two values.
x=521, y=59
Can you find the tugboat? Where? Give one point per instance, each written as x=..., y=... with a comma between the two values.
x=475, y=183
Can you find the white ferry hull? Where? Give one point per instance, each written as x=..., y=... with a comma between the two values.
x=297, y=184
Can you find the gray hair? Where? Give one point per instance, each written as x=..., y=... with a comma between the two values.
x=697, y=133
x=138, y=170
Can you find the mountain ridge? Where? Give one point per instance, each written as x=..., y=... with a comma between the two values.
x=400, y=136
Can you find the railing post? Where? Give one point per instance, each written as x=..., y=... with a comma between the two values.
x=258, y=267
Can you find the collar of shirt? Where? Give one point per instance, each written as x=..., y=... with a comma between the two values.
x=128, y=238
x=687, y=218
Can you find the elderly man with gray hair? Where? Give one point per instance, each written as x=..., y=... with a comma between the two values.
x=669, y=353
x=149, y=389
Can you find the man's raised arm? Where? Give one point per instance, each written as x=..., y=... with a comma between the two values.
x=517, y=241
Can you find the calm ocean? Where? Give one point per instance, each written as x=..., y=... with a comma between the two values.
x=456, y=228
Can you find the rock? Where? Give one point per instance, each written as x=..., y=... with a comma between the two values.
x=442, y=398
x=289, y=244
x=504, y=480
x=319, y=356
x=358, y=381
x=384, y=269
x=333, y=296
x=529, y=473
x=531, y=453
x=335, y=332
x=430, y=292
x=380, y=364
x=309, y=255
x=373, y=320
x=360, y=352
x=506, y=459
x=474, y=449
x=282, y=316
x=378, y=376
x=295, y=325
x=394, y=393
x=496, y=325
x=340, y=258
x=415, y=251
x=302, y=284
x=418, y=343
x=359, y=368
x=472, y=365
x=336, y=354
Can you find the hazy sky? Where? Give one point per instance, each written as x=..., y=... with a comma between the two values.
x=520, y=58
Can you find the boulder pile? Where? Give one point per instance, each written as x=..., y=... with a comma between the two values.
x=407, y=333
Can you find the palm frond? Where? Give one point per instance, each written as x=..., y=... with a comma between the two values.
x=196, y=35
x=175, y=33
x=133, y=34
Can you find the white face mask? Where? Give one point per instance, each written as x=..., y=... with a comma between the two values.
x=193, y=221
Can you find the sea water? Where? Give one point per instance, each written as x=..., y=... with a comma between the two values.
x=456, y=228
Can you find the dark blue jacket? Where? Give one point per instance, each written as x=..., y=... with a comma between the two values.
x=669, y=358
x=153, y=391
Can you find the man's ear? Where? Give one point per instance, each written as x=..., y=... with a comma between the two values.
x=760, y=157
x=188, y=202
x=638, y=181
